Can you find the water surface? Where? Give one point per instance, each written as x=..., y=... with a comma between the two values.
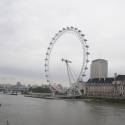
x=19, y=110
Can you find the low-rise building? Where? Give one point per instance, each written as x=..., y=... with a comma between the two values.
x=119, y=85
x=109, y=87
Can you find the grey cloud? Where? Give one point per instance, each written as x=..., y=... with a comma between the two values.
x=27, y=26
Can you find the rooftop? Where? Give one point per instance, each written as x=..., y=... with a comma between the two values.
x=101, y=80
x=120, y=77
x=99, y=60
x=106, y=80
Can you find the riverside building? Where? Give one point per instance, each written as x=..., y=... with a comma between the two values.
x=99, y=68
x=101, y=85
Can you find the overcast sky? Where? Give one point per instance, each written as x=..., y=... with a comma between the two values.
x=27, y=26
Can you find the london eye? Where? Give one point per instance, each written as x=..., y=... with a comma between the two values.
x=81, y=37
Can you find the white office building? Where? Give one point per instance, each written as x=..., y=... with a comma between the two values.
x=99, y=69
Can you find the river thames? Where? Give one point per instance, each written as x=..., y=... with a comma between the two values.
x=19, y=110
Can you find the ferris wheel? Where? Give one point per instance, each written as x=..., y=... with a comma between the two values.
x=85, y=52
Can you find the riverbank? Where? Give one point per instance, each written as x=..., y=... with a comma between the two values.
x=107, y=99
x=92, y=98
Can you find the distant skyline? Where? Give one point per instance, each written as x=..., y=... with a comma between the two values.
x=27, y=26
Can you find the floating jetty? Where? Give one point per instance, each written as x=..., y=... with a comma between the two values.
x=50, y=96
x=38, y=95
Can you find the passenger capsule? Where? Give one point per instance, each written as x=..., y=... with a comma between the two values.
x=87, y=46
x=82, y=35
x=76, y=28
x=88, y=53
x=79, y=31
x=85, y=40
x=46, y=65
x=86, y=68
x=87, y=61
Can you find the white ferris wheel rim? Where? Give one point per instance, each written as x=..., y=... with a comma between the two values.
x=85, y=47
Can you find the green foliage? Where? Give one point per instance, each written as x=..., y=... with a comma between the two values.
x=44, y=89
